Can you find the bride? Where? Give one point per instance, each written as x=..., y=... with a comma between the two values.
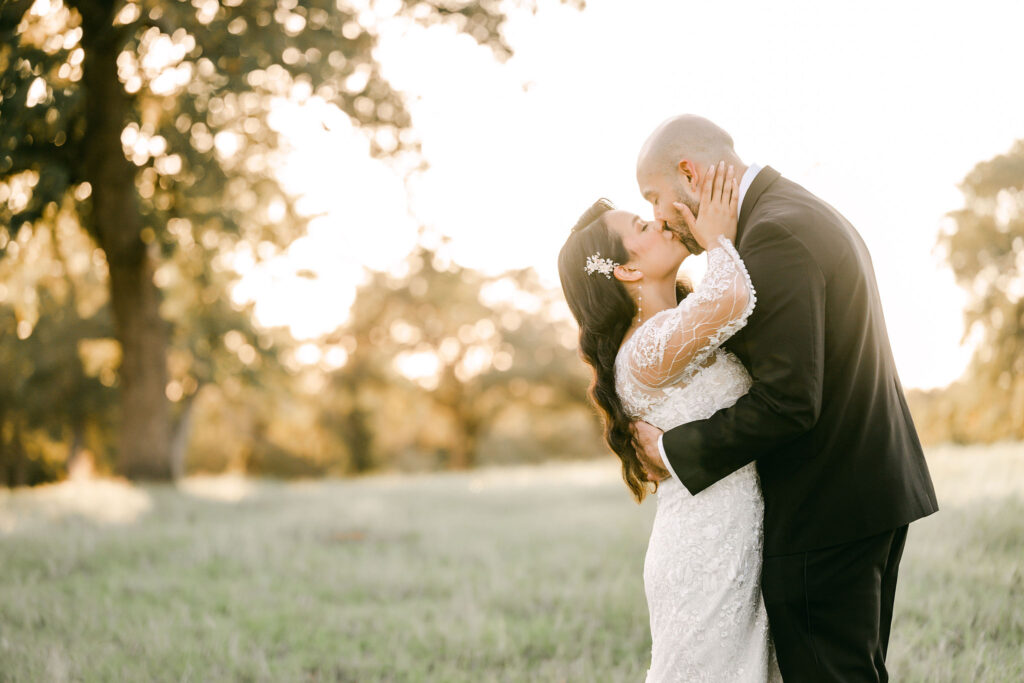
x=655, y=349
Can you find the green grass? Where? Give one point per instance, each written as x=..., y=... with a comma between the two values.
x=530, y=573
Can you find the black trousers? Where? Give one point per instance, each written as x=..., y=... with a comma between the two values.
x=830, y=609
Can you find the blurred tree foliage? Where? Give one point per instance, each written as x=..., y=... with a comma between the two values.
x=985, y=247
x=148, y=120
x=462, y=349
x=438, y=366
x=55, y=395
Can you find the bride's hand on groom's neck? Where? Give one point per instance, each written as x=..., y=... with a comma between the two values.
x=717, y=213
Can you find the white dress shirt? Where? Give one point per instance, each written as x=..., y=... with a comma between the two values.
x=745, y=181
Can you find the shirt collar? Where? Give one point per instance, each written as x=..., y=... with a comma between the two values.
x=746, y=180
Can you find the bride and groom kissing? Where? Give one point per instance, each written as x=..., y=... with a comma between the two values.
x=763, y=409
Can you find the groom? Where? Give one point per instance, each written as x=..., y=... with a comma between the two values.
x=841, y=467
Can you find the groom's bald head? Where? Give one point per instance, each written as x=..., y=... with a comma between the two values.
x=684, y=137
x=673, y=162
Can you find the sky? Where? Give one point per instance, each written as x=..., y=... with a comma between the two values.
x=880, y=108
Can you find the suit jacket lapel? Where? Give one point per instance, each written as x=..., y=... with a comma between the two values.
x=764, y=179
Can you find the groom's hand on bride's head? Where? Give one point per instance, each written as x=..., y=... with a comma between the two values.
x=646, y=438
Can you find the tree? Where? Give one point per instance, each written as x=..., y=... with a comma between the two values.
x=150, y=111
x=465, y=346
x=985, y=247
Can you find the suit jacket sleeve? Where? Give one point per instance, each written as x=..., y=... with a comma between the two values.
x=785, y=338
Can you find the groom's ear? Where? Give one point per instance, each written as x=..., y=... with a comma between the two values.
x=688, y=170
x=691, y=173
x=626, y=274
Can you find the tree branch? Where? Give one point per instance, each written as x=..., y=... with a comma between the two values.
x=12, y=11
x=36, y=156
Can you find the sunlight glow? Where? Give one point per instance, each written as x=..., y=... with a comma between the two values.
x=364, y=222
x=105, y=501
x=225, y=488
x=419, y=366
x=36, y=93
x=516, y=157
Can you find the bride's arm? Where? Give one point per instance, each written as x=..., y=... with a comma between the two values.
x=674, y=344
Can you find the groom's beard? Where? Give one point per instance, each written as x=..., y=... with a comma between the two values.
x=679, y=227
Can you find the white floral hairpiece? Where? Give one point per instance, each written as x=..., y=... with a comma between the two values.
x=596, y=264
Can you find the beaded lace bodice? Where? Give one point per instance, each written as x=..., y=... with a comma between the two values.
x=670, y=348
x=703, y=562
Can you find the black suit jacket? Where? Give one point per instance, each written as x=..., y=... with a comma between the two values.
x=826, y=418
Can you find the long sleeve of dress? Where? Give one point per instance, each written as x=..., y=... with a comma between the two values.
x=670, y=347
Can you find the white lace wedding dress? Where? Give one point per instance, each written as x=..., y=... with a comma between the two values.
x=703, y=565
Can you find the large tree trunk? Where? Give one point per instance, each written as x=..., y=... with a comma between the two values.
x=80, y=464
x=5, y=460
x=179, y=438
x=116, y=223
x=19, y=460
x=359, y=438
x=463, y=453
x=352, y=421
x=452, y=394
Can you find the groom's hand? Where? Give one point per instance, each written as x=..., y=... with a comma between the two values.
x=646, y=441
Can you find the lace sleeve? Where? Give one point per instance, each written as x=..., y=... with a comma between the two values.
x=673, y=344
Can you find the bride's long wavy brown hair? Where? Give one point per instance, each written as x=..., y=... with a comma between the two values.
x=604, y=311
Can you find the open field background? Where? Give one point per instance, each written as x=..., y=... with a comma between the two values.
x=520, y=573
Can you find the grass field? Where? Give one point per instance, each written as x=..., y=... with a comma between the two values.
x=512, y=574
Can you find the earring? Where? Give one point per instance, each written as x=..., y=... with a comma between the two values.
x=639, y=302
